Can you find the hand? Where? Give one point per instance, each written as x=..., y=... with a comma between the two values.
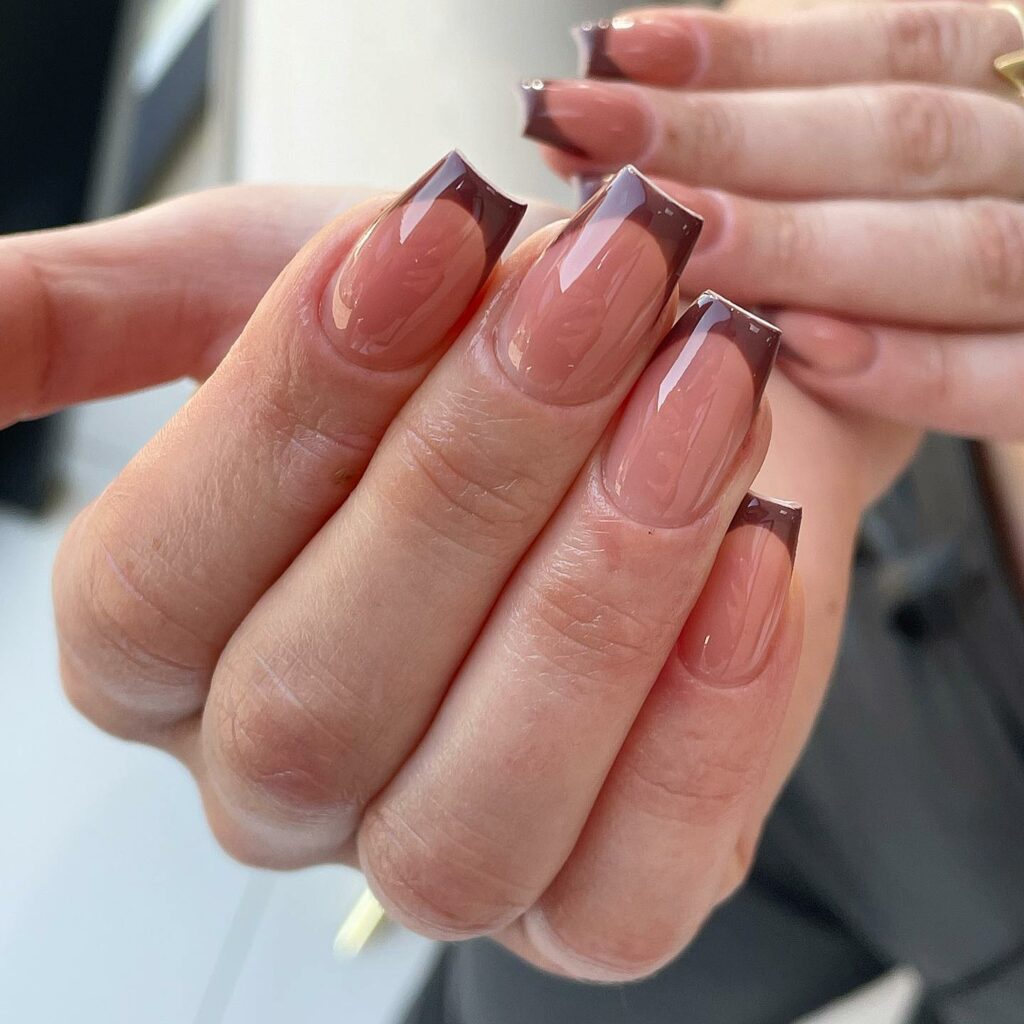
x=869, y=191
x=400, y=585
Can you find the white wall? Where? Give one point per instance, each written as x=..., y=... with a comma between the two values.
x=373, y=92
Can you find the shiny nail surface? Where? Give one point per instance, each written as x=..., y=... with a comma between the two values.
x=727, y=636
x=661, y=50
x=606, y=124
x=592, y=298
x=689, y=413
x=414, y=271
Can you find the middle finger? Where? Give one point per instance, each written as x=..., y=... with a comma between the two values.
x=894, y=139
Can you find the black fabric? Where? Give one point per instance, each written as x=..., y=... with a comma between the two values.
x=900, y=838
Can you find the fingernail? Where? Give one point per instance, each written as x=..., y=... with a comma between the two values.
x=665, y=50
x=604, y=123
x=726, y=638
x=590, y=301
x=689, y=413
x=827, y=346
x=414, y=271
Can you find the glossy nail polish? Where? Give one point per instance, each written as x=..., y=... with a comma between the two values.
x=689, y=413
x=602, y=123
x=665, y=49
x=726, y=638
x=410, y=277
x=590, y=301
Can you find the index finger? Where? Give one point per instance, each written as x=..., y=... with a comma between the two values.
x=139, y=300
x=946, y=42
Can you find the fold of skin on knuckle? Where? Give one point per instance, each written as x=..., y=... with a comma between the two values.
x=586, y=613
x=458, y=452
x=994, y=254
x=276, y=760
x=699, y=135
x=921, y=40
x=925, y=130
x=116, y=638
x=25, y=324
x=437, y=874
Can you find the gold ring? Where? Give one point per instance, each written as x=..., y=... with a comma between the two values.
x=1011, y=65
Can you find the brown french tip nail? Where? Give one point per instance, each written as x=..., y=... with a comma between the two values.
x=538, y=122
x=594, y=295
x=782, y=518
x=757, y=339
x=414, y=271
x=591, y=39
x=606, y=123
x=729, y=633
x=689, y=413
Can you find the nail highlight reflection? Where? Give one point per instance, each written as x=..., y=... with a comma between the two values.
x=414, y=271
x=690, y=413
x=592, y=298
x=664, y=49
x=727, y=636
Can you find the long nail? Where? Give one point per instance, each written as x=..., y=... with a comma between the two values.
x=592, y=298
x=726, y=638
x=690, y=413
x=662, y=50
x=609, y=125
x=414, y=271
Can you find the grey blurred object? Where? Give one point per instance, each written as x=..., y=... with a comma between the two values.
x=156, y=90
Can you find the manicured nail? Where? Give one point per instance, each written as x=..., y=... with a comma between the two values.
x=689, y=413
x=606, y=124
x=726, y=638
x=662, y=50
x=590, y=301
x=414, y=271
x=827, y=346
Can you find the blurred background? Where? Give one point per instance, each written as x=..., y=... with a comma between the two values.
x=115, y=905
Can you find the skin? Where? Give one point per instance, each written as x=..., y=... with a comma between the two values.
x=246, y=689
x=136, y=665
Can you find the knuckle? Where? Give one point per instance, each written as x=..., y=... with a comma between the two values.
x=702, y=792
x=922, y=41
x=276, y=735
x=707, y=131
x=307, y=449
x=118, y=643
x=465, y=492
x=995, y=250
x=29, y=326
x=793, y=241
x=586, y=635
x=924, y=128
x=444, y=880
